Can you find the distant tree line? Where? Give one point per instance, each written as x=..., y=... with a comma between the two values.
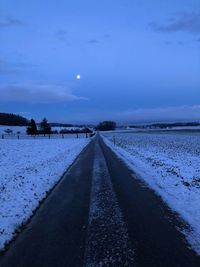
x=175, y=124
x=166, y=125
x=44, y=127
x=12, y=120
x=106, y=126
x=83, y=130
x=57, y=124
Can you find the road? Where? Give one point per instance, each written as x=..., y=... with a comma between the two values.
x=101, y=215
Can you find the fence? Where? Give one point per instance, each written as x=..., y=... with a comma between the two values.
x=46, y=136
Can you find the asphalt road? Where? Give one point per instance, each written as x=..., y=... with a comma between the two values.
x=100, y=215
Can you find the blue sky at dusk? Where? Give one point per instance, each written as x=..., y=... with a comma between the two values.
x=139, y=60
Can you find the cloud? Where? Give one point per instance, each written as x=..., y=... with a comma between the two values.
x=61, y=34
x=4, y=69
x=162, y=114
x=167, y=43
x=10, y=21
x=107, y=35
x=93, y=41
x=145, y=115
x=182, y=42
x=103, y=38
x=185, y=22
x=12, y=67
x=37, y=93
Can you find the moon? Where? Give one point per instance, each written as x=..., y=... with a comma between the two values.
x=78, y=76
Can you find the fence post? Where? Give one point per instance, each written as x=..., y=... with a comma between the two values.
x=2, y=136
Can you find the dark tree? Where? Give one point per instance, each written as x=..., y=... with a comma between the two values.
x=106, y=126
x=86, y=130
x=32, y=128
x=45, y=128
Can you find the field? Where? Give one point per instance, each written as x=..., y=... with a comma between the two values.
x=170, y=164
x=19, y=132
x=29, y=169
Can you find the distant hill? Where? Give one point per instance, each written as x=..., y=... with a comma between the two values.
x=12, y=120
x=166, y=125
x=175, y=124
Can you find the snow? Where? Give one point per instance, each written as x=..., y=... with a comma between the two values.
x=29, y=169
x=103, y=249
x=170, y=164
x=14, y=129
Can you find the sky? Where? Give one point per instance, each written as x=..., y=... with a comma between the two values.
x=138, y=60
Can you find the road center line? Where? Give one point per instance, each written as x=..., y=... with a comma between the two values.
x=107, y=239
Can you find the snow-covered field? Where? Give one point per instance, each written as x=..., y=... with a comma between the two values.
x=21, y=130
x=14, y=129
x=28, y=170
x=170, y=164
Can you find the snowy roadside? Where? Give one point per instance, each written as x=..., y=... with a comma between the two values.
x=28, y=170
x=168, y=175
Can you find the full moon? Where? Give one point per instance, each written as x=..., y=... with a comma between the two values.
x=78, y=77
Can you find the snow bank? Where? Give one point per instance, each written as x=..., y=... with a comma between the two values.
x=28, y=170
x=170, y=164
